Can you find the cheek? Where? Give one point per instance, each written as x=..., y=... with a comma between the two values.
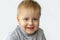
x=22, y=24
x=36, y=24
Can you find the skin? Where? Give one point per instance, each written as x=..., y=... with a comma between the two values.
x=28, y=19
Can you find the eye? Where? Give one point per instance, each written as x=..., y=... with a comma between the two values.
x=25, y=19
x=35, y=19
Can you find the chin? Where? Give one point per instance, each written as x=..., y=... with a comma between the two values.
x=29, y=33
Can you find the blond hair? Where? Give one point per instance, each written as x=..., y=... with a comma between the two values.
x=29, y=4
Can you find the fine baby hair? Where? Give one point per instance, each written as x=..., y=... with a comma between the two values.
x=29, y=4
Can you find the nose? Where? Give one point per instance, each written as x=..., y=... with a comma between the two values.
x=30, y=22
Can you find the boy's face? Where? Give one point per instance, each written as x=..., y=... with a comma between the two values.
x=28, y=19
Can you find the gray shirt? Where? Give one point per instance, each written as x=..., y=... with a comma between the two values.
x=19, y=34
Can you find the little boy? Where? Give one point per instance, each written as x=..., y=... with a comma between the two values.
x=28, y=15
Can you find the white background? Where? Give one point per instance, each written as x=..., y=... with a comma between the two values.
x=50, y=18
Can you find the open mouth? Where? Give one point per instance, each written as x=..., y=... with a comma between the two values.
x=30, y=27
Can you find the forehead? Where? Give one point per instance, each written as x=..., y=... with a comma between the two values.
x=29, y=12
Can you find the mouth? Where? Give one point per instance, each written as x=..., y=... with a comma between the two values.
x=30, y=28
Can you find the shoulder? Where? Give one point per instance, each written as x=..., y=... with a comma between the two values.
x=41, y=34
x=40, y=31
x=14, y=35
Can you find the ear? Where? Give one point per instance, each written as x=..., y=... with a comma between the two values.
x=17, y=18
